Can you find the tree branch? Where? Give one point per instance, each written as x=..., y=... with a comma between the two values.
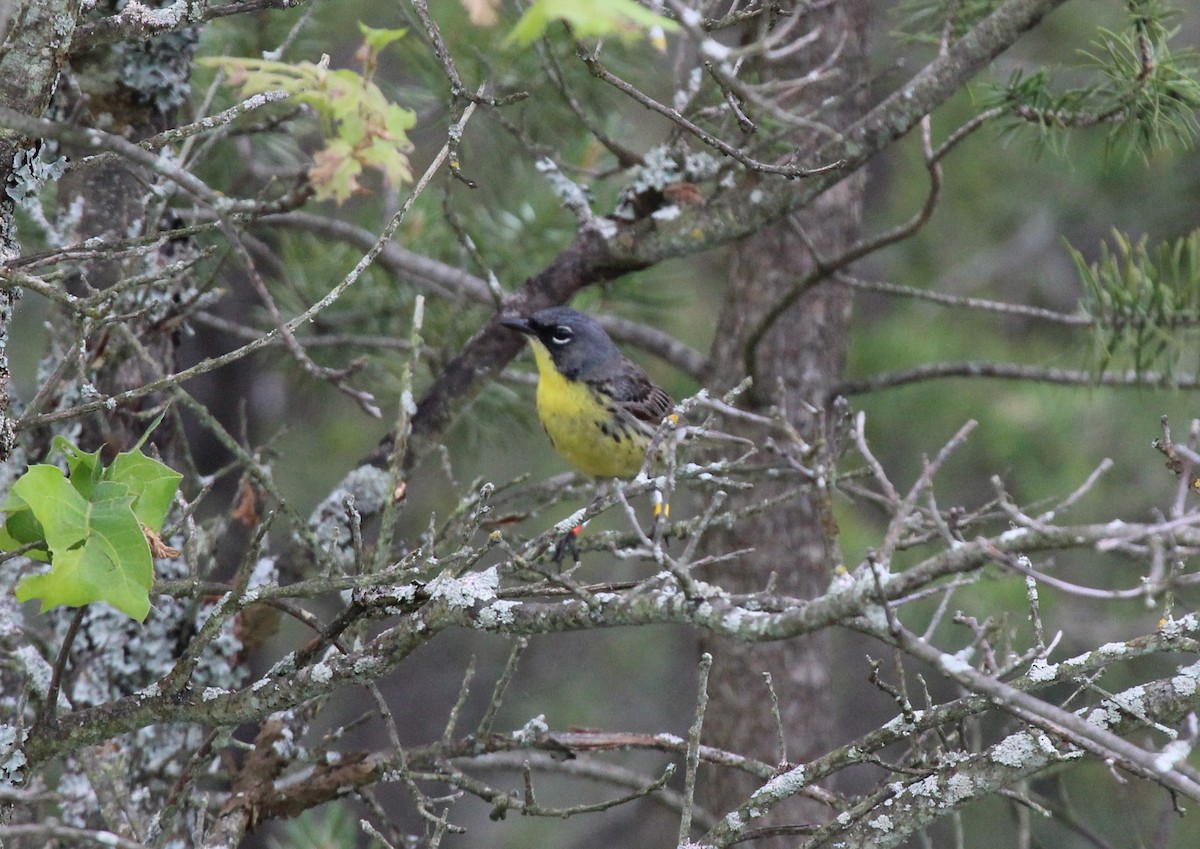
x=1015, y=371
x=598, y=255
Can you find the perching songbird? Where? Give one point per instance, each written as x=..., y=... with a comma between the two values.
x=598, y=407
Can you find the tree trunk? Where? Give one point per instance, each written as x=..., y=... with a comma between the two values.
x=132, y=89
x=798, y=361
x=34, y=35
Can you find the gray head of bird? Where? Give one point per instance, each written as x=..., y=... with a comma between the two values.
x=578, y=345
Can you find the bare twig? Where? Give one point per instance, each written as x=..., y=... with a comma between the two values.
x=510, y=669
x=1016, y=371
x=212, y=363
x=49, y=711
x=693, y=751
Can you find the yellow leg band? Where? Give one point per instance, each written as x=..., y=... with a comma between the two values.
x=662, y=509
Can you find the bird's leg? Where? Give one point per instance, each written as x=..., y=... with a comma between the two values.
x=660, y=497
x=567, y=542
x=661, y=514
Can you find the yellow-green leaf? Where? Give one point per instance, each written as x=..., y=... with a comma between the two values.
x=335, y=171
x=151, y=484
x=355, y=115
x=109, y=563
x=20, y=528
x=589, y=19
x=98, y=551
x=377, y=39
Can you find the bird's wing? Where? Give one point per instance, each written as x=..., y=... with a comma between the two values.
x=636, y=394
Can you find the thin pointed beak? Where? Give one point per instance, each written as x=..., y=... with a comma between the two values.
x=521, y=325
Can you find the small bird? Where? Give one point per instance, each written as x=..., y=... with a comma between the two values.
x=598, y=407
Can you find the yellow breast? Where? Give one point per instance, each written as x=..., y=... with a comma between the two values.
x=583, y=427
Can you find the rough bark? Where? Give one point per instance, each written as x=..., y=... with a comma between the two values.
x=133, y=89
x=798, y=360
x=33, y=40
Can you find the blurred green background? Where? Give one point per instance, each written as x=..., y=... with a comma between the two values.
x=1007, y=213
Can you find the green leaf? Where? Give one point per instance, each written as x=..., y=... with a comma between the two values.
x=92, y=527
x=356, y=117
x=399, y=121
x=255, y=76
x=152, y=485
x=98, y=551
x=393, y=164
x=588, y=19
x=377, y=39
x=335, y=171
x=21, y=528
x=83, y=469
x=56, y=504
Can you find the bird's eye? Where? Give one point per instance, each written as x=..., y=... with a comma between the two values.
x=562, y=335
